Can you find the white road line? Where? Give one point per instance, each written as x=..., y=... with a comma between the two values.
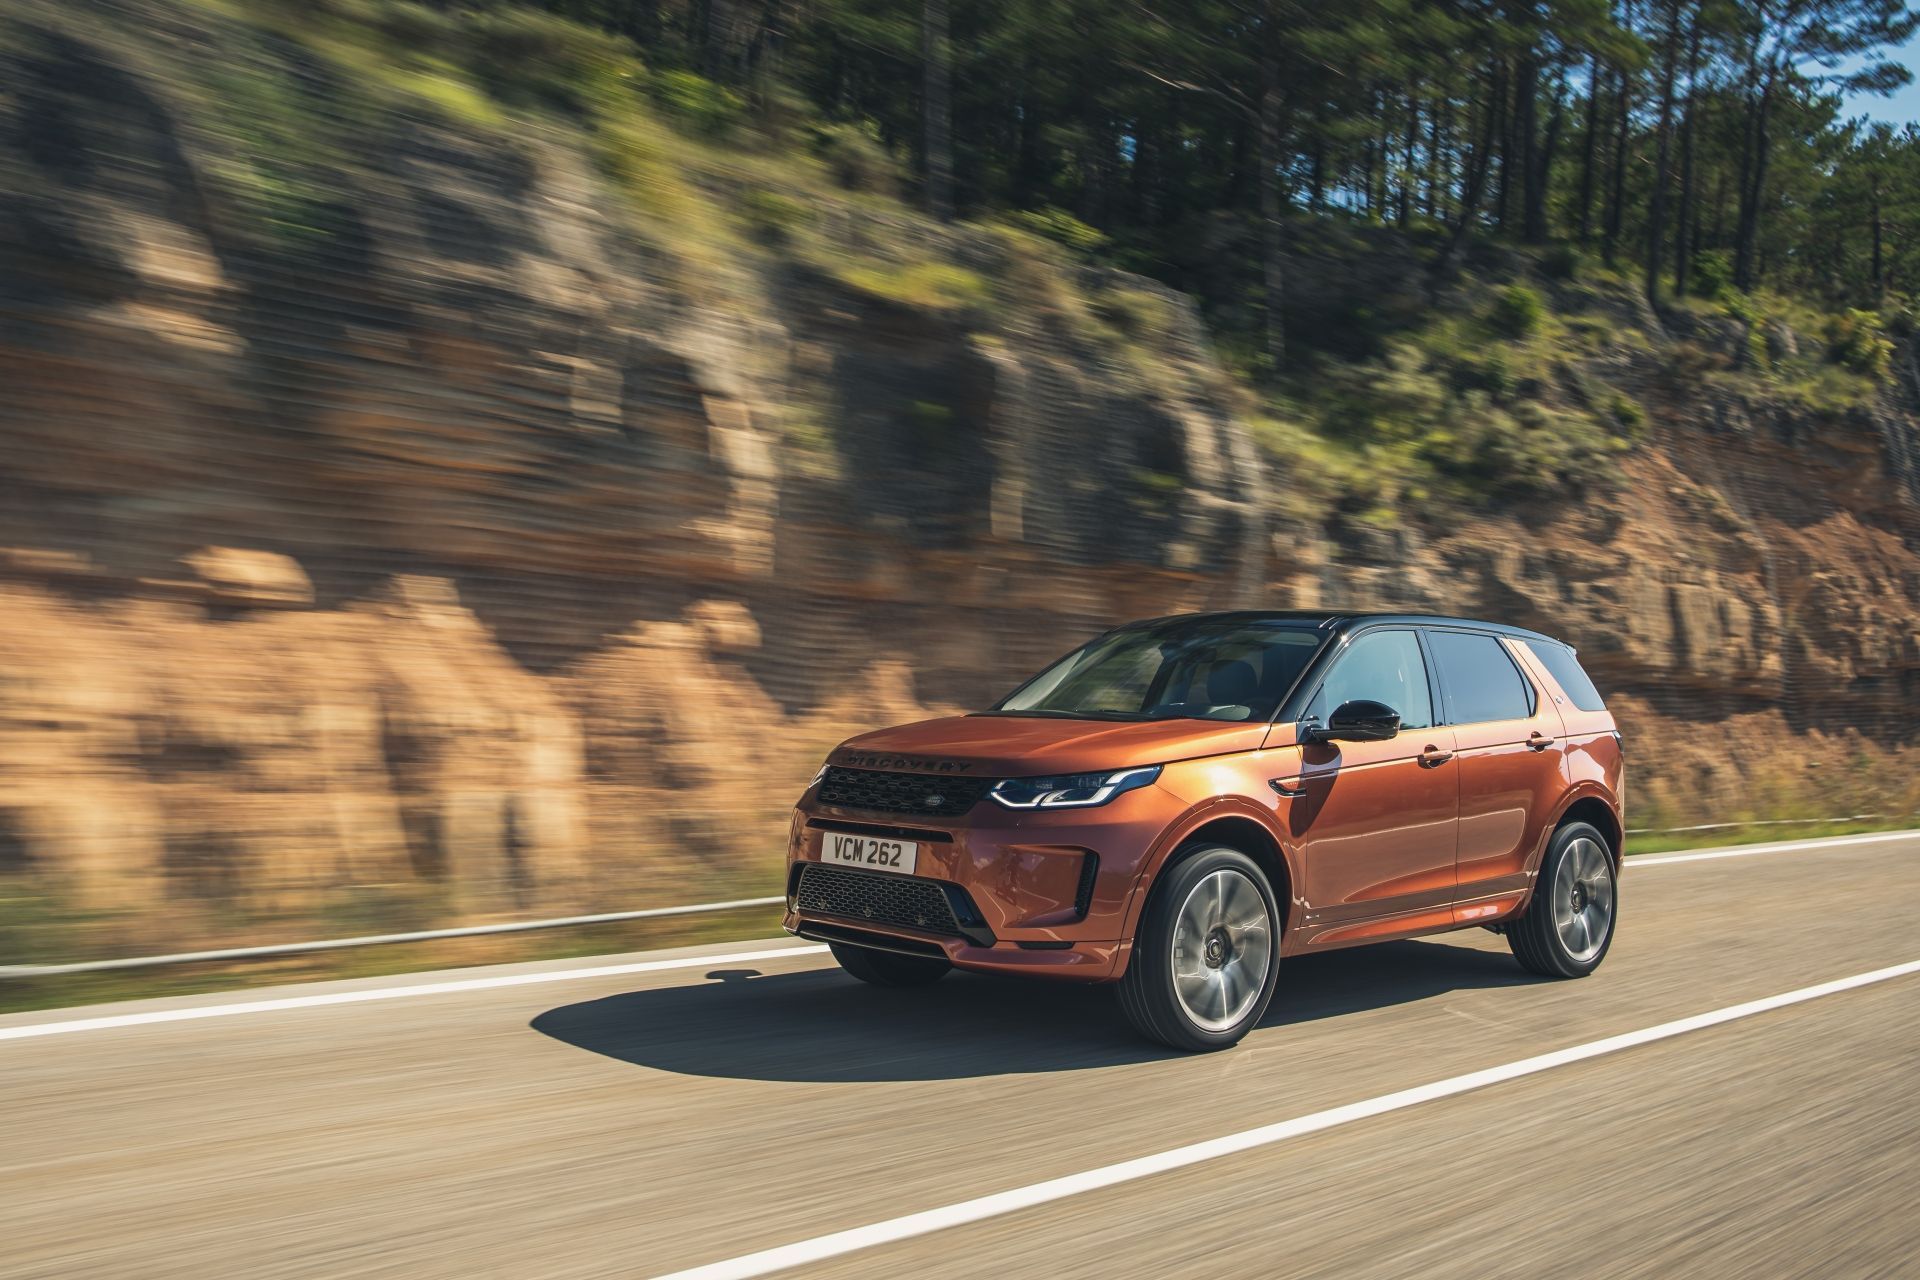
x=1749, y=850
x=195, y=1012
x=363, y=994
x=839, y=1243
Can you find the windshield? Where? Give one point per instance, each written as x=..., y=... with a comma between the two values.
x=1210, y=669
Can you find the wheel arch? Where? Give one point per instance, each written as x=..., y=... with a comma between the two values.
x=1587, y=803
x=1596, y=811
x=1253, y=839
x=1221, y=823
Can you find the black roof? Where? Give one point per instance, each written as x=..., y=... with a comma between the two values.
x=1338, y=621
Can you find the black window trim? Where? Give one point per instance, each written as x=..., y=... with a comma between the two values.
x=1333, y=653
x=1445, y=717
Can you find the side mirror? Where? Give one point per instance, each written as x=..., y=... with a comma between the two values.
x=1361, y=720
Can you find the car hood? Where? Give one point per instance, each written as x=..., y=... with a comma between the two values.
x=1030, y=746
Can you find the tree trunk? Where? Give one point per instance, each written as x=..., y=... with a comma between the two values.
x=1473, y=185
x=1753, y=186
x=1239, y=165
x=1584, y=202
x=1504, y=133
x=1412, y=146
x=1542, y=167
x=1028, y=170
x=1533, y=175
x=1384, y=146
x=1683, y=222
x=766, y=56
x=1144, y=173
x=1879, y=272
x=1616, y=199
x=1663, y=152
x=1366, y=177
x=1103, y=201
x=936, y=56
x=1273, y=233
x=1436, y=139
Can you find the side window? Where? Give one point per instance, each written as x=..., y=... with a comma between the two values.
x=1480, y=679
x=1565, y=668
x=1383, y=666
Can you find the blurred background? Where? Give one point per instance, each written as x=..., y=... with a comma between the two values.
x=468, y=461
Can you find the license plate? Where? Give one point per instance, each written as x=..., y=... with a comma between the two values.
x=875, y=853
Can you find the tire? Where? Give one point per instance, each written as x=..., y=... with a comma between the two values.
x=1198, y=1006
x=889, y=968
x=1547, y=939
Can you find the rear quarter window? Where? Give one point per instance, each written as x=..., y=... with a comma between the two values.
x=1559, y=661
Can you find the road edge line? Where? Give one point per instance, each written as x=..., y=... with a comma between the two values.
x=359, y=995
x=1783, y=846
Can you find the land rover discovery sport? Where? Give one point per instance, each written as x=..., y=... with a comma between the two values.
x=1180, y=803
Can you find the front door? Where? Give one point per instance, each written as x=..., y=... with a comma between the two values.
x=1375, y=823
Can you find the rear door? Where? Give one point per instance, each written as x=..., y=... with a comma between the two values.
x=1511, y=759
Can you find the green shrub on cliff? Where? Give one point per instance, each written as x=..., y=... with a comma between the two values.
x=1135, y=313
x=1710, y=274
x=930, y=285
x=1628, y=413
x=1900, y=315
x=1412, y=423
x=1062, y=228
x=856, y=159
x=1775, y=353
x=774, y=215
x=531, y=58
x=1563, y=262
x=1517, y=311
x=697, y=102
x=1854, y=341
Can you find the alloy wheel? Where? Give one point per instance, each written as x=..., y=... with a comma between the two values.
x=1583, y=899
x=1222, y=949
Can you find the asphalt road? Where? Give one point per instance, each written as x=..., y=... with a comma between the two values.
x=642, y=1122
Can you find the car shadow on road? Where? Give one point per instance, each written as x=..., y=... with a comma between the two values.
x=822, y=1026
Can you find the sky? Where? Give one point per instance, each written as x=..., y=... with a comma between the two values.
x=1904, y=106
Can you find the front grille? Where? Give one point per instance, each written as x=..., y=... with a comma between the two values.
x=931, y=795
x=905, y=902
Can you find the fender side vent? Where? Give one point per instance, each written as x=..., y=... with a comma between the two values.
x=1089, y=869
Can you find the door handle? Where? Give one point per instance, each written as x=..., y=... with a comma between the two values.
x=1538, y=741
x=1433, y=757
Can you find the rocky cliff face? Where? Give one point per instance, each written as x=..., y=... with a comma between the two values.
x=481, y=537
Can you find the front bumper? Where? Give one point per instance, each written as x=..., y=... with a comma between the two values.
x=1041, y=893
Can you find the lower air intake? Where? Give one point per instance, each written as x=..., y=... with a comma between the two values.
x=905, y=902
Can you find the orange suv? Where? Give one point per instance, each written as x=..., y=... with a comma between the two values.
x=1179, y=803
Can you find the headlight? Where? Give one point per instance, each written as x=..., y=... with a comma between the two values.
x=1071, y=791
